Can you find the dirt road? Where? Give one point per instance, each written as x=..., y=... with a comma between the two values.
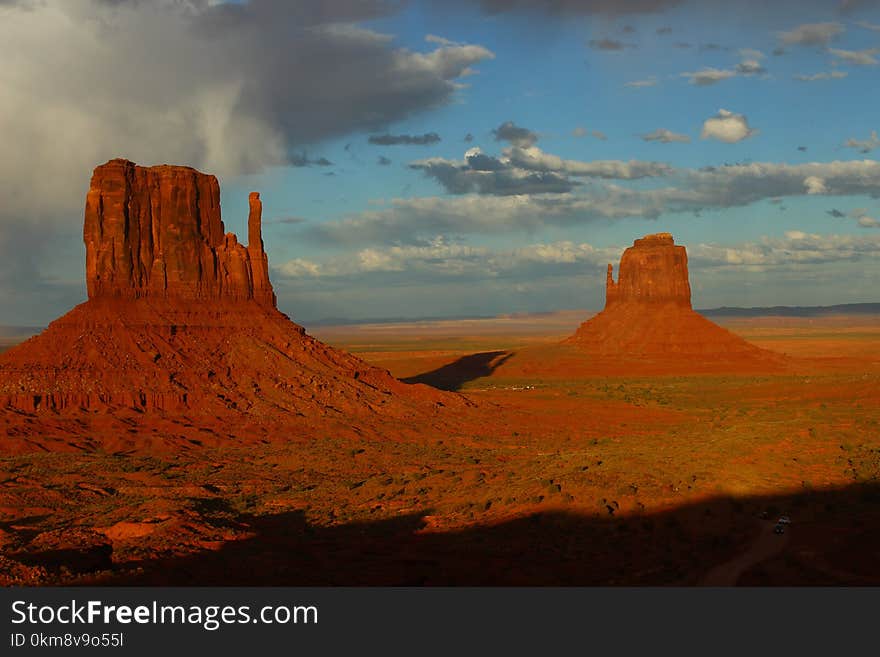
x=768, y=544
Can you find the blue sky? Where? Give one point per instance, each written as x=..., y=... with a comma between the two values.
x=757, y=102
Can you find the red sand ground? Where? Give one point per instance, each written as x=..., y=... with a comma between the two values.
x=587, y=479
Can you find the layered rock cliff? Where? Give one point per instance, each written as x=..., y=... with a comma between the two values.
x=156, y=232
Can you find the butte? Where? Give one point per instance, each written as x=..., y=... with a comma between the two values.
x=648, y=321
x=180, y=339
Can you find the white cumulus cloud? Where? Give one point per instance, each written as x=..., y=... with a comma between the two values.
x=815, y=185
x=728, y=127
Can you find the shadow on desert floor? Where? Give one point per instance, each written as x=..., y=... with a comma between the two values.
x=831, y=541
x=453, y=376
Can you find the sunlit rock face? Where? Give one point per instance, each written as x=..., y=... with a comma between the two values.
x=156, y=232
x=654, y=271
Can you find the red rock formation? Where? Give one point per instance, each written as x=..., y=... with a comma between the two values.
x=652, y=271
x=156, y=232
x=648, y=314
x=181, y=318
x=262, y=288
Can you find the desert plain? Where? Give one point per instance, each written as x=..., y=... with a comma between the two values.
x=549, y=474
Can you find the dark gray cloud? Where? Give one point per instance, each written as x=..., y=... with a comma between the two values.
x=407, y=140
x=227, y=88
x=303, y=160
x=34, y=290
x=514, y=134
x=253, y=84
x=664, y=30
x=468, y=138
x=486, y=175
x=523, y=168
x=483, y=162
x=383, y=161
x=303, y=13
x=837, y=214
x=310, y=72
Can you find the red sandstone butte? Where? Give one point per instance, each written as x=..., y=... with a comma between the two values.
x=181, y=318
x=653, y=271
x=156, y=232
x=648, y=313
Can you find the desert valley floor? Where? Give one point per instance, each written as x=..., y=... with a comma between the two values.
x=548, y=476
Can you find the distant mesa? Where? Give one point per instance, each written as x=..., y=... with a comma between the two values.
x=648, y=313
x=182, y=318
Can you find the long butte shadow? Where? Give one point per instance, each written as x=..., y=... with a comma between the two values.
x=467, y=368
x=833, y=540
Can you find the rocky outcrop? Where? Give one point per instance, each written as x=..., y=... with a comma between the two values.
x=648, y=316
x=262, y=288
x=156, y=232
x=652, y=271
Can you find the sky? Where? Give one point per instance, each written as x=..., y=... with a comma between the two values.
x=458, y=158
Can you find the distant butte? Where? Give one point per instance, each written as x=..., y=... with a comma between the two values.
x=648, y=314
x=653, y=271
x=181, y=319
